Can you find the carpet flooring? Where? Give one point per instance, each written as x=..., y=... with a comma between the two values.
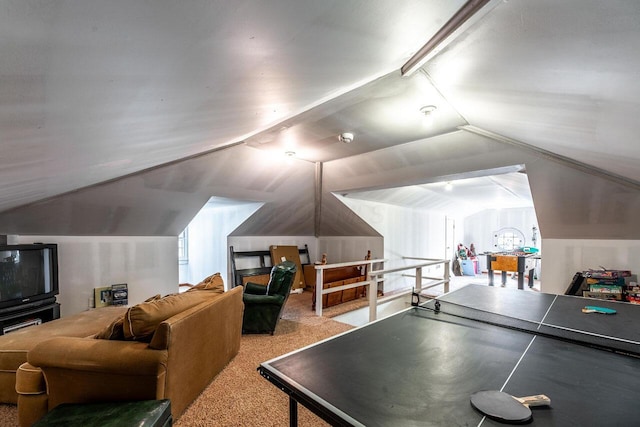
x=239, y=396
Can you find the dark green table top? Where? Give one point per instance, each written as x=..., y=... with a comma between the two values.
x=144, y=413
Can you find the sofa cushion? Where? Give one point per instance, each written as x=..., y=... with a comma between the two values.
x=211, y=283
x=141, y=320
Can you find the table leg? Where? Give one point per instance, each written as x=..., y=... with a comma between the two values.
x=504, y=278
x=293, y=412
x=531, y=273
x=520, y=279
x=490, y=274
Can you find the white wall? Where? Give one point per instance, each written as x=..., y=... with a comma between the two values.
x=149, y=265
x=479, y=228
x=349, y=248
x=405, y=232
x=207, y=240
x=563, y=258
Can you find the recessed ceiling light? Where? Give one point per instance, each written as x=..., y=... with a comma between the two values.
x=346, y=137
x=428, y=109
x=290, y=153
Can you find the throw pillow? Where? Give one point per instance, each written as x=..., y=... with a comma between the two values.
x=211, y=283
x=114, y=331
x=141, y=320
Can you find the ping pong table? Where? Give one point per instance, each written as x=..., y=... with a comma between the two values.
x=420, y=366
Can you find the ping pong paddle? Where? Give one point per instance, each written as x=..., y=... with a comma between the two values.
x=505, y=408
x=595, y=309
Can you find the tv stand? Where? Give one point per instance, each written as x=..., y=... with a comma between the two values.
x=34, y=315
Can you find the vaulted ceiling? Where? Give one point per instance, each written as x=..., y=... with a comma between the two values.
x=125, y=117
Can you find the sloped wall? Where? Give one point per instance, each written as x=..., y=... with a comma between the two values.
x=573, y=204
x=162, y=201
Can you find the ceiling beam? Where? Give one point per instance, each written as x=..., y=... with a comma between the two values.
x=449, y=31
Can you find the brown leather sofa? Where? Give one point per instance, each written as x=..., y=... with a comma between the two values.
x=167, y=348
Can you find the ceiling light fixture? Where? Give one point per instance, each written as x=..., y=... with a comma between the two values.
x=290, y=153
x=428, y=109
x=431, y=48
x=346, y=137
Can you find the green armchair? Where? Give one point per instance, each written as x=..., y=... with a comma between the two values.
x=263, y=305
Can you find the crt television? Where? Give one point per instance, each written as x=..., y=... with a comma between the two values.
x=28, y=273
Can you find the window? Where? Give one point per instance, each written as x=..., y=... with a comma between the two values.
x=183, y=247
x=508, y=239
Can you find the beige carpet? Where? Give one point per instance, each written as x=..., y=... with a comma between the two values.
x=239, y=396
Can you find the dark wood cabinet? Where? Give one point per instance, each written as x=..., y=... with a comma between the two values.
x=19, y=318
x=334, y=277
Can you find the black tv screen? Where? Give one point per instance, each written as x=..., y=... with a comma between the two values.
x=28, y=273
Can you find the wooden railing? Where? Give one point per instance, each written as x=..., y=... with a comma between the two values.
x=374, y=277
x=320, y=291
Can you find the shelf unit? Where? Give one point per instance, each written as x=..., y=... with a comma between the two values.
x=15, y=320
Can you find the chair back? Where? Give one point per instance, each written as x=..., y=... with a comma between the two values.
x=262, y=311
x=281, y=279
